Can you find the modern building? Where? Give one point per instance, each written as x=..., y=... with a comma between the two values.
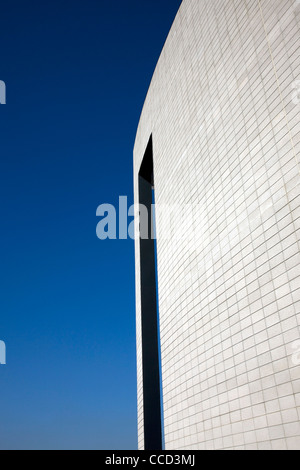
x=220, y=132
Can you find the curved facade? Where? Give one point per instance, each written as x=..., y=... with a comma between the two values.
x=221, y=119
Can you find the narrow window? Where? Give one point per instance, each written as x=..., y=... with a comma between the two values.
x=149, y=312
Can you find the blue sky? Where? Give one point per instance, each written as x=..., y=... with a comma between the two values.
x=77, y=73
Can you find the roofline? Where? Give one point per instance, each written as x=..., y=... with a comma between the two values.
x=154, y=73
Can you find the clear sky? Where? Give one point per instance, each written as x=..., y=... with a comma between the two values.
x=77, y=73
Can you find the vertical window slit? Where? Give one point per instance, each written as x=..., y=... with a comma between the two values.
x=152, y=387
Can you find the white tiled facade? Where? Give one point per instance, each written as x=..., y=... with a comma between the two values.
x=223, y=110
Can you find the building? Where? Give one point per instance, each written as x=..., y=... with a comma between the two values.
x=220, y=131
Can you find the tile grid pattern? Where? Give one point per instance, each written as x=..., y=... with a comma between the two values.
x=226, y=140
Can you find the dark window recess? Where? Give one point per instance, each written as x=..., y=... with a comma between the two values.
x=149, y=311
